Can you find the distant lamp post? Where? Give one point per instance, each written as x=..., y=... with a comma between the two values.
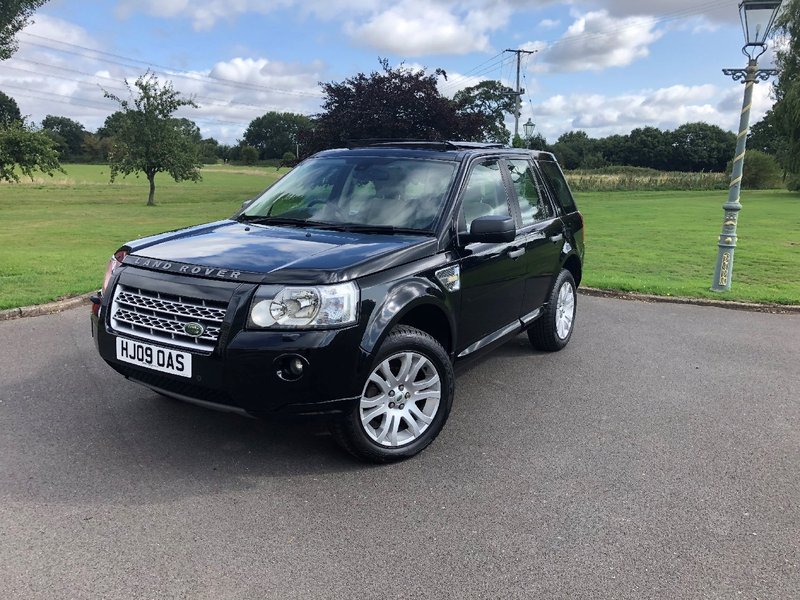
x=757, y=18
x=528, y=127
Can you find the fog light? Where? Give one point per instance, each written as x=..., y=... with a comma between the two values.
x=291, y=367
x=296, y=367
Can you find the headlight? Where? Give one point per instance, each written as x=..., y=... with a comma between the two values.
x=113, y=264
x=309, y=307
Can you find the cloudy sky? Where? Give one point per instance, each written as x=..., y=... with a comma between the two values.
x=604, y=66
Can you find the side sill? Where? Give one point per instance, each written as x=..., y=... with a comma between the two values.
x=514, y=327
x=531, y=317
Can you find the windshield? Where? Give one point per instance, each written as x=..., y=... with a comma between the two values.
x=381, y=192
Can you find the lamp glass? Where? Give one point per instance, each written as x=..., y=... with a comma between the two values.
x=757, y=19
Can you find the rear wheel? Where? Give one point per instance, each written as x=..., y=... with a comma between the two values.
x=405, y=400
x=552, y=331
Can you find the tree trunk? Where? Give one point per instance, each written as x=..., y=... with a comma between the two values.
x=151, y=177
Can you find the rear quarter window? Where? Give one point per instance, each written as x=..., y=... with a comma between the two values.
x=555, y=178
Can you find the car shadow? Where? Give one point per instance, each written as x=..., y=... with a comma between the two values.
x=99, y=438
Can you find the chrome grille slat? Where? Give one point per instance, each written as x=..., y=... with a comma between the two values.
x=161, y=324
x=161, y=317
x=166, y=306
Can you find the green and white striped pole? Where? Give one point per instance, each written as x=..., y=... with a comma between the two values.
x=723, y=273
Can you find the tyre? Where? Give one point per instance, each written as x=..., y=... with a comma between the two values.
x=405, y=400
x=551, y=331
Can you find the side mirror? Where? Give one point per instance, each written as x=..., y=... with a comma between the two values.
x=491, y=229
x=247, y=202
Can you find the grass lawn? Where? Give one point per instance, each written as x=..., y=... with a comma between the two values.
x=665, y=243
x=56, y=234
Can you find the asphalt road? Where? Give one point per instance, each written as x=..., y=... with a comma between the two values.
x=658, y=456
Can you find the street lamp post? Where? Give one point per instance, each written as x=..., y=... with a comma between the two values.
x=757, y=18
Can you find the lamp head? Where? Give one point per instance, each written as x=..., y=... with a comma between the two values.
x=758, y=17
x=528, y=127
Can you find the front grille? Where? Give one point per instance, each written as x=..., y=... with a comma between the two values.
x=161, y=317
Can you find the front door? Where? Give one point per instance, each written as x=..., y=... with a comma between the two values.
x=492, y=281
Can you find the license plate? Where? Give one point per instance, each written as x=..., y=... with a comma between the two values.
x=165, y=360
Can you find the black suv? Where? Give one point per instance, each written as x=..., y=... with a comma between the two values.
x=351, y=287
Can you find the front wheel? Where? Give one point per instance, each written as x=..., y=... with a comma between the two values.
x=405, y=401
x=551, y=332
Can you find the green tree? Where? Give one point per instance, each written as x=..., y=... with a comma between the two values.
x=274, y=133
x=9, y=110
x=487, y=103
x=209, y=150
x=190, y=129
x=95, y=148
x=111, y=125
x=25, y=150
x=765, y=136
x=538, y=142
x=149, y=139
x=761, y=171
x=224, y=152
x=647, y=147
x=248, y=154
x=574, y=149
x=14, y=15
x=68, y=134
x=701, y=147
x=787, y=88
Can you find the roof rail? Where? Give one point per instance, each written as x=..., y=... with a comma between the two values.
x=421, y=144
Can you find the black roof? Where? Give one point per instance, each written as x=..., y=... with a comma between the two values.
x=447, y=150
x=422, y=144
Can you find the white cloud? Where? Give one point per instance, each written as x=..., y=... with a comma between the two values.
x=408, y=27
x=52, y=77
x=549, y=23
x=672, y=9
x=204, y=14
x=666, y=108
x=420, y=27
x=597, y=41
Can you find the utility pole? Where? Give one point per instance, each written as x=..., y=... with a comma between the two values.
x=519, y=92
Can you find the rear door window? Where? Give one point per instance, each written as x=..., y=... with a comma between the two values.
x=558, y=184
x=533, y=206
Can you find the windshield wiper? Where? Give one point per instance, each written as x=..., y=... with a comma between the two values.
x=269, y=220
x=389, y=229
x=350, y=227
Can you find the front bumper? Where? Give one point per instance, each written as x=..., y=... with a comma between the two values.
x=243, y=373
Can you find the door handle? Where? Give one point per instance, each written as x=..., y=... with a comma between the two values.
x=516, y=252
x=556, y=238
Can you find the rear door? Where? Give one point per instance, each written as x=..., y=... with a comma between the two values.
x=571, y=217
x=541, y=234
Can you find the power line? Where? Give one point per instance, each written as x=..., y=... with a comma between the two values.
x=90, y=103
x=117, y=81
x=168, y=71
x=573, y=39
x=456, y=79
x=475, y=72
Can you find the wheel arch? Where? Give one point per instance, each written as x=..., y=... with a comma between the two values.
x=416, y=304
x=573, y=265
